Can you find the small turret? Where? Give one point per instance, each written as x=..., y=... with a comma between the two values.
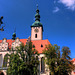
x=14, y=36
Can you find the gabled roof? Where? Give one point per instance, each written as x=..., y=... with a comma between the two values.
x=73, y=59
x=39, y=44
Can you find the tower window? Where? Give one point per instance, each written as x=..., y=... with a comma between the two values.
x=35, y=35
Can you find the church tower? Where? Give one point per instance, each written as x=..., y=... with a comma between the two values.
x=37, y=28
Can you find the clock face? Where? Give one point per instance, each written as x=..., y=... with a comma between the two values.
x=36, y=30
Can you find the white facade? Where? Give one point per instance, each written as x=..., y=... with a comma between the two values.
x=43, y=68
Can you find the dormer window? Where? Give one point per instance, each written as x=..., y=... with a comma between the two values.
x=41, y=45
x=33, y=46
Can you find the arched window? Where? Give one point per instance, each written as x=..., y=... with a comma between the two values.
x=5, y=60
x=33, y=46
x=1, y=73
x=1, y=60
x=35, y=35
x=42, y=65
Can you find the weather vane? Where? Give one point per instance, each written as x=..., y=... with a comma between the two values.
x=1, y=29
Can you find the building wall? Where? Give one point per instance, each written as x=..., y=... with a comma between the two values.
x=73, y=72
x=46, y=72
x=39, y=67
x=2, y=57
x=17, y=42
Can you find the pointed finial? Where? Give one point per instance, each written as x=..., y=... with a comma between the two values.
x=15, y=30
x=37, y=6
x=37, y=10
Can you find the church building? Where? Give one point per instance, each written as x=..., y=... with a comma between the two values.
x=37, y=41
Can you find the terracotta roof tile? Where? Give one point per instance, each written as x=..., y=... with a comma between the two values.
x=36, y=43
x=73, y=59
x=0, y=41
x=23, y=41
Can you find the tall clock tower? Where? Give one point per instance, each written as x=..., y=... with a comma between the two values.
x=37, y=28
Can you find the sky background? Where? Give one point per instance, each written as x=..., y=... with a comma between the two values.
x=57, y=17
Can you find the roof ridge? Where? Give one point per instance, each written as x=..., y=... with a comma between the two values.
x=7, y=39
x=39, y=40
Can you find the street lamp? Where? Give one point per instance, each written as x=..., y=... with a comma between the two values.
x=1, y=29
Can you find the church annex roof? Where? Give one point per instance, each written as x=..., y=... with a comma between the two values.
x=73, y=59
x=39, y=44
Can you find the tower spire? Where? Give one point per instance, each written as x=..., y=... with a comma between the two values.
x=14, y=35
x=37, y=15
x=37, y=27
x=37, y=19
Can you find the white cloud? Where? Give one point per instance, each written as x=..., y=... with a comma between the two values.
x=56, y=9
x=70, y=4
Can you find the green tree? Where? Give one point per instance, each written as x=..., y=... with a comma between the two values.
x=59, y=63
x=23, y=60
x=67, y=64
x=51, y=55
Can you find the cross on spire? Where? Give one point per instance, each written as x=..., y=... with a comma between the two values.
x=37, y=6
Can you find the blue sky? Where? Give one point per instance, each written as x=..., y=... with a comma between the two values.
x=57, y=17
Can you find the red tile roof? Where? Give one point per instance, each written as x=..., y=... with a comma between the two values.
x=21, y=40
x=36, y=43
x=0, y=41
x=73, y=59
